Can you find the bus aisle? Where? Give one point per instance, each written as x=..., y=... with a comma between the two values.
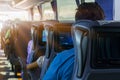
x=5, y=68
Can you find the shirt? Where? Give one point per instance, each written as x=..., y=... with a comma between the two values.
x=40, y=61
x=61, y=67
x=29, y=51
x=7, y=35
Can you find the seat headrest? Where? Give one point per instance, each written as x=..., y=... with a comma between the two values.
x=86, y=23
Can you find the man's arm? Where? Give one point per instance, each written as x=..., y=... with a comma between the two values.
x=32, y=65
x=37, y=63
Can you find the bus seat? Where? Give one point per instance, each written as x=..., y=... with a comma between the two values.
x=102, y=49
x=10, y=46
x=7, y=37
x=23, y=36
x=40, y=44
x=3, y=32
x=58, y=35
x=80, y=34
x=39, y=47
x=12, y=56
x=108, y=55
x=112, y=23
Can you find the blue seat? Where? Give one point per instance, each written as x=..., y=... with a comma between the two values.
x=80, y=33
x=97, y=50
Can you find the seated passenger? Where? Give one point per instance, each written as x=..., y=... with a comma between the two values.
x=30, y=51
x=61, y=67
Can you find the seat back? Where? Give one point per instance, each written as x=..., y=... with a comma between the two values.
x=59, y=39
x=22, y=38
x=6, y=36
x=12, y=56
x=100, y=59
x=39, y=47
x=80, y=33
x=105, y=62
x=39, y=43
x=3, y=32
x=62, y=37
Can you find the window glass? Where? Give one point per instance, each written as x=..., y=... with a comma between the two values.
x=36, y=14
x=15, y=15
x=89, y=0
x=48, y=13
x=66, y=9
x=44, y=35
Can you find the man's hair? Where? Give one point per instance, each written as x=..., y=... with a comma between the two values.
x=89, y=11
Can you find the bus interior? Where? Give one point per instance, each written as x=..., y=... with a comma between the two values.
x=51, y=26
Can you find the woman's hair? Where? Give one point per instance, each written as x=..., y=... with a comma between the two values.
x=90, y=11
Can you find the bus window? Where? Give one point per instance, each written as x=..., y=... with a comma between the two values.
x=66, y=10
x=15, y=15
x=44, y=35
x=48, y=13
x=36, y=14
x=89, y=0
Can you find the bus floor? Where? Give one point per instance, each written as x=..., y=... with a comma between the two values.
x=6, y=72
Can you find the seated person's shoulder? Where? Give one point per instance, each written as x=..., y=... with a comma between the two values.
x=64, y=56
x=66, y=53
x=61, y=66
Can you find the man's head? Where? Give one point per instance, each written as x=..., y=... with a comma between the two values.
x=89, y=11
